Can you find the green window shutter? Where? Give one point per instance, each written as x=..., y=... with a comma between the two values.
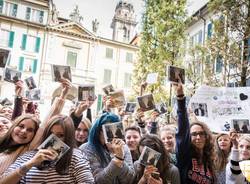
x=24, y=39
x=28, y=12
x=21, y=61
x=99, y=103
x=34, y=66
x=11, y=39
x=38, y=40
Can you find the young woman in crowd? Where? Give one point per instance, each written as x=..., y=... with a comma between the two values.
x=167, y=171
x=132, y=139
x=5, y=124
x=111, y=163
x=167, y=135
x=240, y=151
x=71, y=168
x=6, y=111
x=194, y=147
x=17, y=140
x=82, y=131
x=223, y=146
x=25, y=133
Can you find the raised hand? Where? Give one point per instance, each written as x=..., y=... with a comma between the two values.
x=117, y=146
x=154, y=115
x=147, y=175
x=66, y=85
x=82, y=106
x=152, y=180
x=42, y=155
x=143, y=88
x=108, y=102
x=19, y=88
x=234, y=138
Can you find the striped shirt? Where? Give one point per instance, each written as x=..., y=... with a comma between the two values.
x=79, y=171
x=233, y=173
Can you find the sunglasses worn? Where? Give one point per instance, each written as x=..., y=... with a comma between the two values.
x=201, y=134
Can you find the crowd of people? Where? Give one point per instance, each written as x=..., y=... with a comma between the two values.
x=189, y=152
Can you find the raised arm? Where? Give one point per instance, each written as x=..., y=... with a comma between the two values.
x=18, y=102
x=233, y=171
x=58, y=103
x=76, y=115
x=183, y=133
x=56, y=108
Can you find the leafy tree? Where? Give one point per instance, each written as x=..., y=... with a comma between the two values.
x=161, y=41
x=231, y=35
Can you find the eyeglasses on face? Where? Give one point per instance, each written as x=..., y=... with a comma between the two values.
x=195, y=134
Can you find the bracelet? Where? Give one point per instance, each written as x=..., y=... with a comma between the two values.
x=119, y=158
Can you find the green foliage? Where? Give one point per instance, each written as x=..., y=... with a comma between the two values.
x=230, y=35
x=161, y=42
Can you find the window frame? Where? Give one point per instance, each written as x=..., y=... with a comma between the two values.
x=76, y=59
x=110, y=76
x=109, y=55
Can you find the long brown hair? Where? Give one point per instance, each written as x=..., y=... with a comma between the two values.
x=153, y=142
x=208, y=150
x=6, y=142
x=67, y=124
x=221, y=156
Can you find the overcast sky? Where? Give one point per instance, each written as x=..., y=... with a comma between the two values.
x=103, y=11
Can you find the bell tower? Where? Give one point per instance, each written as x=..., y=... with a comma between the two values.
x=124, y=22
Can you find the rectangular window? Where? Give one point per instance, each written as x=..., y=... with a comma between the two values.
x=127, y=80
x=4, y=37
x=27, y=65
x=129, y=57
x=9, y=9
x=28, y=13
x=109, y=53
x=31, y=43
x=34, y=15
x=71, y=58
x=209, y=30
x=107, y=76
x=200, y=37
x=219, y=64
x=99, y=103
x=196, y=39
x=1, y=6
x=4, y=57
